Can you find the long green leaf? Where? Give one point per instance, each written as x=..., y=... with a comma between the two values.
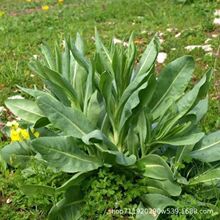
x=57, y=79
x=209, y=177
x=148, y=58
x=200, y=109
x=79, y=57
x=97, y=136
x=48, y=56
x=155, y=203
x=104, y=54
x=209, y=148
x=75, y=180
x=168, y=187
x=64, y=153
x=183, y=106
x=25, y=109
x=172, y=83
x=155, y=167
x=70, y=207
x=69, y=120
x=33, y=92
x=94, y=109
x=17, y=153
x=185, y=140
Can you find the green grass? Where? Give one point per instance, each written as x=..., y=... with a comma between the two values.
x=24, y=27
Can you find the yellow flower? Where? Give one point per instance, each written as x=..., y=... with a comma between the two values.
x=20, y=134
x=60, y=1
x=28, y=0
x=15, y=136
x=24, y=134
x=45, y=7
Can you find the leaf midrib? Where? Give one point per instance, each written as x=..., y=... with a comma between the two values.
x=67, y=154
x=26, y=110
x=208, y=146
x=146, y=59
x=74, y=125
x=169, y=88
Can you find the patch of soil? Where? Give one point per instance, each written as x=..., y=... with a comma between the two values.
x=215, y=32
x=24, y=12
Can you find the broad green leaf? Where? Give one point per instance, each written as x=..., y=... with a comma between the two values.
x=117, y=66
x=109, y=152
x=70, y=207
x=129, y=63
x=148, y=58
x=169, y=187
x=131, y=103
x=75, y=180
x=64, y=210
x=133, y=87
x=138, y=100
x=155, y=190
x=133, y=142
x=141, y=130
x=205, y=87
x=172, y=82
x=209, y=148
x=64, y=153
x=78, y=56
x=67, y=63
x=24, y=109
x=186, y=125
x=58, y=93
x=33, y=92
x=48, y=56
x=155, y=167
x=104, y=55
x=55, y=78
x=180, y=155
x=200, y=109
x=209, y=177
x=58, y=58
x=155, y=203
x=17, y=153
x=185, y=140
x=184, y=105
x=69, y=120
x=97, y=136
x=80, y=76
x=94, y=109
x=79, y=43
x=106, y=89
x=190, y=98
x=124, y=160
x=42, y=122
x=88, y=89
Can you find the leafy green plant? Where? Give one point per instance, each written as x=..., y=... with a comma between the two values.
x=117, y=192
x=109, y=112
